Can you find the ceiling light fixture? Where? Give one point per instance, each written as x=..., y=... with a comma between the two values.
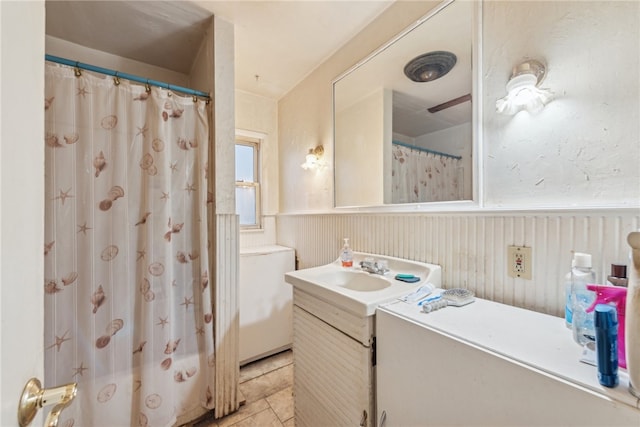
x=430, y=66
x=312, y=159
x=523, y=92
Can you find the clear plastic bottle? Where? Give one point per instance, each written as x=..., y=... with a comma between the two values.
x=346, y=254
x=568, y=312
x=581, y=298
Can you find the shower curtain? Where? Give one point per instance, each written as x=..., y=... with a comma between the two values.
x=419, y=176
x=128, y=307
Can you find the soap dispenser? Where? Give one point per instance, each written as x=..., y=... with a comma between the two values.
x=346, y=254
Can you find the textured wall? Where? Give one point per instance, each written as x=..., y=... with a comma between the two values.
x=305, y=113
x=584, y=147
x=259, y=114
x=76, y=52
x=224, y=119
x=582, y=150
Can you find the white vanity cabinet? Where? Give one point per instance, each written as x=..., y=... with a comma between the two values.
x=334, y=335
x=333, y=377
x=488, y=364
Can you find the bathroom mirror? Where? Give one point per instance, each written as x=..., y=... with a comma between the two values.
x=402, y=141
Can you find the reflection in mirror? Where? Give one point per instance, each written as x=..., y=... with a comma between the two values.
x=403, y=141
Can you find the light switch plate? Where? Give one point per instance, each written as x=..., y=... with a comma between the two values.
x=519, y=262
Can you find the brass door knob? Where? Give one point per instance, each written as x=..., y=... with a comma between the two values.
x=35, y=397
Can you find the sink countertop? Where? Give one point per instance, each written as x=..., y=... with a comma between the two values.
x=534, y=339
x=324, y=282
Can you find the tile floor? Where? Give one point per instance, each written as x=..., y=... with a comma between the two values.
x=267, y=386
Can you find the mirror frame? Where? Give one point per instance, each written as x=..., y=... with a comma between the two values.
x=476, y=120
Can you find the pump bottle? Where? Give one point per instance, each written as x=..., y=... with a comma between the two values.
x=346, y=254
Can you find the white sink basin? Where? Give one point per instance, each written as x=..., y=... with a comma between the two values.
x=356, y=290
x=355, y=280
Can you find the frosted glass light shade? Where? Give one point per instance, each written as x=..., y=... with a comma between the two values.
x=311, y=161
x=523, y=92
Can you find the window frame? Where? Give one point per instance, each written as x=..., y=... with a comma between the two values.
x=255, y=143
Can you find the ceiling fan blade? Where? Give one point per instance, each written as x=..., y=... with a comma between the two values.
x=450, y=103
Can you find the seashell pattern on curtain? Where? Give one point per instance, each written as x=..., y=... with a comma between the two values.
x=128, y=306
x=418, y=176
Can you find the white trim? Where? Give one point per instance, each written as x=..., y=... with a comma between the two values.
x=477, y=119
x=402, y=33
x=257, y=141
x=468, y=208
x=251, y=134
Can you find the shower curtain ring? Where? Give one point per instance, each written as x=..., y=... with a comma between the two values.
x=195, y=98
x=76, y=70
x=147, y=87
x=116, y=79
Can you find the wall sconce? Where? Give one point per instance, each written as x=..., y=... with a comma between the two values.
x=312, y=159
x=523, y=92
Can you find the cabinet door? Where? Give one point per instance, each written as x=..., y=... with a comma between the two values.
x=428, y=378
x=403, y=392
x=332, y=375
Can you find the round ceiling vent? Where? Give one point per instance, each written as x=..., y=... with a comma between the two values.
x=430, y=66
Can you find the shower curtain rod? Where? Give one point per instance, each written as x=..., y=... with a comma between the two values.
x=426, y=150
x=131, y=77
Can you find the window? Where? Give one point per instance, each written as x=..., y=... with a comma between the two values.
x=248, y=181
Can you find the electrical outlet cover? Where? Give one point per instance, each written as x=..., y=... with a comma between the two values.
x=519, y=262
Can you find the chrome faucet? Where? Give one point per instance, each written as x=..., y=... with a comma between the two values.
x=374, y=267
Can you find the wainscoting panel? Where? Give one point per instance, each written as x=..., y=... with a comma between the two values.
x=226, y=316
x=472, y=247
